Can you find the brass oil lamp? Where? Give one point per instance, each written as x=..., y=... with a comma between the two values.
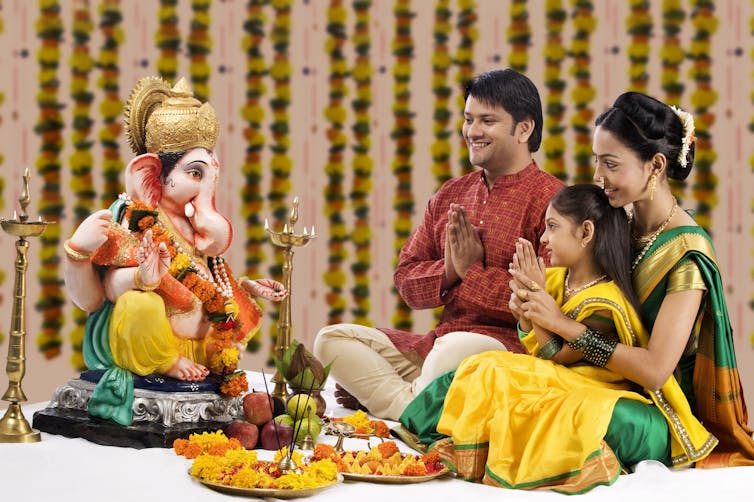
x=14, y=428
x=286, y=239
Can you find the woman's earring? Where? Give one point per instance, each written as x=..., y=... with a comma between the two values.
x=652, y=186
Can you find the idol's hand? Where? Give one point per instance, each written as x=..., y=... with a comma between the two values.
x=92, y=232
x=153, y=259
x=465, y=245
x=266, y=288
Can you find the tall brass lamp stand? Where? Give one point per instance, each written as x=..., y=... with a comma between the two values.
x=14, y=428
x=286, y=239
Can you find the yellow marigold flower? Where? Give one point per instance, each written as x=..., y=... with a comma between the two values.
x=554, y=143
x=582, y=95
x=180, y=263
x=706, y=24
x=518, y=59
x=584, y=23
x=701, y=98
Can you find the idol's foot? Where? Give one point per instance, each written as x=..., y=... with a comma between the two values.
x=346, y=399
x=186, y=369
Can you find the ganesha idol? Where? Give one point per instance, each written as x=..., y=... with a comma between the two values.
x=163, y=304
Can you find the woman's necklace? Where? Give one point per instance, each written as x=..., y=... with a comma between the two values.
x=568, y=292
x=651, y=238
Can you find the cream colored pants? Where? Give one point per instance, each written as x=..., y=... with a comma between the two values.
x=369, y=367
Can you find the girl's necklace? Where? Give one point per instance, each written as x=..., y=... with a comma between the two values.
x=568, y=292
x=651, y=238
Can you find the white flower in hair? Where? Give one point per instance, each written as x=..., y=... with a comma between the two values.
x=688, y=134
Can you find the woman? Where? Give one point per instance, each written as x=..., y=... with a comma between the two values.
x=638, y=144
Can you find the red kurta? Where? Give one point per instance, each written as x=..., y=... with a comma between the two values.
x=514, y=207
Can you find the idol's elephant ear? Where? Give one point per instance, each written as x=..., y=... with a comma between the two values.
x=143, y=178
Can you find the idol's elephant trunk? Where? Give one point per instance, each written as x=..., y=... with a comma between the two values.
x=213, y=231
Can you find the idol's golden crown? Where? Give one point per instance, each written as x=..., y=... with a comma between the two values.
x=160, y=119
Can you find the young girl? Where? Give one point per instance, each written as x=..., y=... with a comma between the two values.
x=545, y=419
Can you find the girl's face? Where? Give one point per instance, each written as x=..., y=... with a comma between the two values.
x=623, y=175
x=562, y=239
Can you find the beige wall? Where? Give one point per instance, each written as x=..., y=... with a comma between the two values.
x=732, y=223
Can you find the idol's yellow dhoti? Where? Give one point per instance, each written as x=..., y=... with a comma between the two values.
x=141, y=338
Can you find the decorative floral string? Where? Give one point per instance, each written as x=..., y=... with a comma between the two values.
x=672, y=55
x=583, y=92
x=553, y=144
x=48, y=164
x=403, y=135
x=751, y=164
x=253, y=113
x=519, y=35
x=280, y=163
x=111, y=107
x=81, y=159
x=2, y=185
x=639, y=26
x=702, y=99
x=361, y=236
x=467, y=37
x=198, y=46
x=168, y=40
x=335, y=113
x=441, y=63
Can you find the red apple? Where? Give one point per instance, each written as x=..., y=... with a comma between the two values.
x=246, y=433
x=275, y=435
x=257, y=407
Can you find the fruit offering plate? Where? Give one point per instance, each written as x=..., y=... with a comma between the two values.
x=394, y=480
x=279, y=493
x=383, y=464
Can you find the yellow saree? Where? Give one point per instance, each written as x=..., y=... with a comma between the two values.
x=523, y=422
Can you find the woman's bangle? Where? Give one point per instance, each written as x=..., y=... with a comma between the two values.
x=596, y=347
x=552, y=347
x=583, y=339
x=75, y=255
x=139, y=282
x=599, y=350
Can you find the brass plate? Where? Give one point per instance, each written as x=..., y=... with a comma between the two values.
x=266, y=492
x=393, y=480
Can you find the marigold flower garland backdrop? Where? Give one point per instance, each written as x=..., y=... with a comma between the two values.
x=363, y=131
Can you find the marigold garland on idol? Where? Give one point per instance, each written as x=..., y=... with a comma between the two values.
x=14, y=428
x=286, y=239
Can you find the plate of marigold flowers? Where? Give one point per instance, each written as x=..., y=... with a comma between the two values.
x=363, y=425
x=384, y=463
x=223, y=465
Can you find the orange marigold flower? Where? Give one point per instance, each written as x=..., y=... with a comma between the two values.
x=323, y=451
x=190, y=279
x=235, y=386
x=387, y=449
x=146, y=222
x=215, y=304
x=380, y=429
x=431, y=459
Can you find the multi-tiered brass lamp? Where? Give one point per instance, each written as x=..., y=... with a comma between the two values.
x=286, y=239
x=14, y=428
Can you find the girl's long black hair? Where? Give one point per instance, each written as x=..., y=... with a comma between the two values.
x=612, y=233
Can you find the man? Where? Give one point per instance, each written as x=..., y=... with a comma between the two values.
x=457, y=257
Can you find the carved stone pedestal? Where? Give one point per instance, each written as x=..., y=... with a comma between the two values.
x=159, y=417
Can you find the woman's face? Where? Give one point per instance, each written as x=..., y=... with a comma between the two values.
x=622, y=174
x=562, y=239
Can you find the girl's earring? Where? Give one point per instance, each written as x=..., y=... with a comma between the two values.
x=652, y=186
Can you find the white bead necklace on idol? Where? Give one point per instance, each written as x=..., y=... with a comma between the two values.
x=218, y=275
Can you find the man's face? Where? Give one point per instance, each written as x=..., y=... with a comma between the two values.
x=489, y=132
